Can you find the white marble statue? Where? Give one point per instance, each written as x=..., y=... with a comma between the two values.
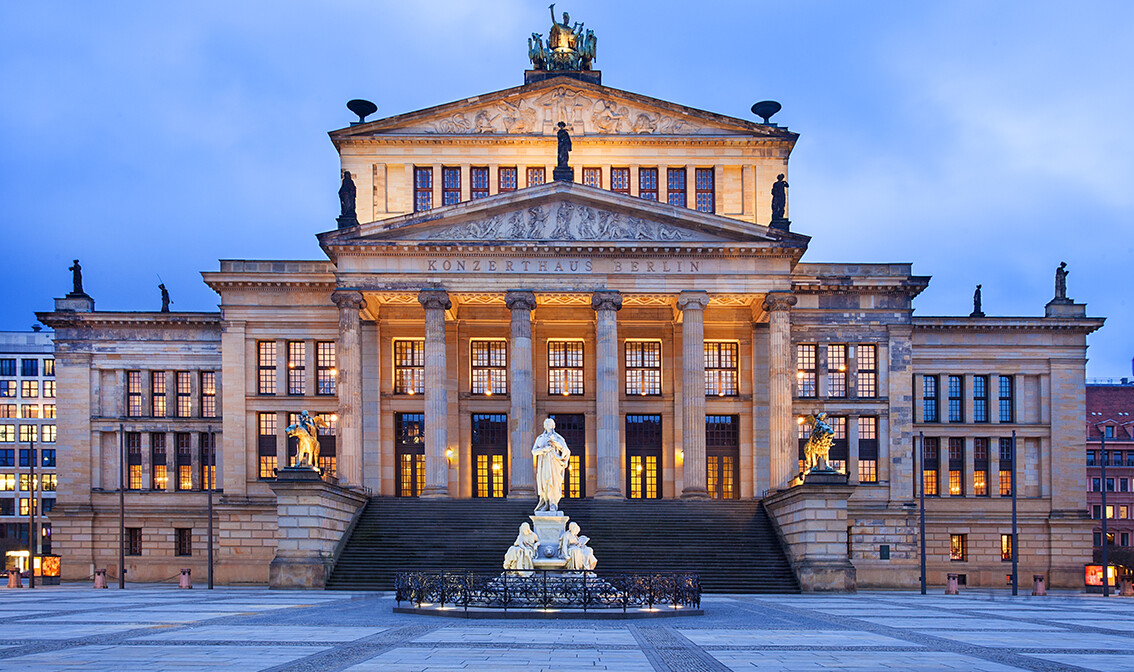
x=523, y=550
x=573, y=547
x=551, y=458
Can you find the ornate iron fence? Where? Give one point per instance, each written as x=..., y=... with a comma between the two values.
x=549, y=589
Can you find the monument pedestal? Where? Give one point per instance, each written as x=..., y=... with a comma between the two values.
x=549, y=526
x=563, y=174
x=812, y=520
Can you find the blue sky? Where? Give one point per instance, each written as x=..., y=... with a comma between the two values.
x=984, y=142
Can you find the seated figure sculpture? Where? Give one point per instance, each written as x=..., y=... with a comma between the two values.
x=573, y=547
x=523, y=550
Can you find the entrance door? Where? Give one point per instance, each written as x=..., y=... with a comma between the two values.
x=489, y=453
x=643, y=456
x=722, y=453
x=572, y=427
x=409, y=447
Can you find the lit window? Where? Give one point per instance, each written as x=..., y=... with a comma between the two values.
x=29, y=411
x=1006, y=547
x=208, y=394
x=184, y=384
x=266, y=444
x=29, y=389
x=325, y=367
x=1006, y=467
x=184, y=460
x=7, y=433
x=157, y=397
x=643, y=367
x=266, y=363
x=409, y=367
x=722, y=361
x=837, y=370
x=959, y=547
x=980, y=467
x=207, y=459
x=134, y=460
x=675, y=192
x=422, y=189
x=8, y=388
x=8, y=411
x=48, y=410
x=868, y=449
x=48, y=482
x=48, y=433
x=296, y=368
x=134, y=393
x=7, y=482
x=158, y=467
x=49, y=389
x=49, y=367
x=28, y=433
x=489, y=367
x=805, y=370
x=930, y=465
x=956, y=466
x=565, y=367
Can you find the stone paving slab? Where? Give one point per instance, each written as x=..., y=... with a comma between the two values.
x=503, y=659
x=845, y=661
x=590, y=637
x=1098, y=661
x=284, y=634
x=158, y=658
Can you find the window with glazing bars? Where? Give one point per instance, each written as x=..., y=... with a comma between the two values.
x=478, y=182
x=868, y=449
x=958, y=547
x=929, y=399
x=648, y=183
x=930, y=465
x=867, y=377
x=49, y=389
x=506, y=179
x=1007, y=409
x=422, y=188
x=1006, y=547
x=592, y=177
x=489, y=446
x=675, y=187
x=157, y=394
x=805, y=370
x=49, y=367
x=536, y=176
x=184, y=460
x=643, y=367
x=328, y=443
x=134, y=393
x=643, y=452
x=133, y=541
x=29, y=367
x=29, y=433
x=29, y=389
x=325, y=368
x=184, y=541
x=703, y=179
x=450, y=185
x=722, y=447
x=722, y=361
x=1007, y=467
x=837, y=370
x=409, y=367
x=489, y=367
x=266, y=444
x=208, y=394
x=956, y=466
x=158, y=470
x=133, y=460
x=980, y=467
x=409, y=438
x=840, y=450
x=956, y=399
x=565, y=367
x=266, y=361
x=207, y=459
x=620, y=180
x=296, y=367
x=184, y=383
x=980, y=398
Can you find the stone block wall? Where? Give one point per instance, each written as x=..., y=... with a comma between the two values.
x=313, y=516
x=812, y=521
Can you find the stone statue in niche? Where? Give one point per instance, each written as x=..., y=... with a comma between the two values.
x=977, y=312
x=779, y=198
x=306, y=431
x=164, y=298
x=523, y=550
x=77, y=278
x=551, y=457
x=573, y=547
x=1060, y=282
x=818, y=447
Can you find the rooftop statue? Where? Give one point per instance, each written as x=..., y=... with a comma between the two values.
x=551, y=457
x=77, y=278
x=779, y=197
x=977, y=311
x=347, y=195
x=564, y=148
x=568, y=46
x=164, y=298
x=1060, y=281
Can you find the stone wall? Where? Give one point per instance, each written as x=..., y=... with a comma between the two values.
x=313, y=516
x=812, y=521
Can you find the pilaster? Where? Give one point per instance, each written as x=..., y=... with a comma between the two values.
x=521, y=419
x=435, y=302
x=348, y=386
x=692, y=306
x=606, y=304
x=781, y=439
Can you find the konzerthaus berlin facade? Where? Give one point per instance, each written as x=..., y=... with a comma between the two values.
x=648, y=305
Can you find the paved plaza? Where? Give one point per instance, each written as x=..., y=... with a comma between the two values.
x=59, y=629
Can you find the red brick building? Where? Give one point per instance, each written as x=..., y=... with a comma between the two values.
x=1110, y=413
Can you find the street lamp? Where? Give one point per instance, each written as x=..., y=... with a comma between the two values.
x=1102, y=512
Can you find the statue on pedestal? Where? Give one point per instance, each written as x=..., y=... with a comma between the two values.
x=306, y=431
x=347, y=194
x=818, y=446
x=779, y=198
x=977, y=312
x=564, y=148
x=1060, y=282
x=551, y=458
x=77, y=278
x=164, y=298
x=523, y=550
x=573, y=547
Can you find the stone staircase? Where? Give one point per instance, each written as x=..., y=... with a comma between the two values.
x=732, y=545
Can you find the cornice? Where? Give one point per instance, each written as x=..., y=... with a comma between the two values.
x=1085, y=325
x=414, y=249
x=65, y=318
x=492, y=139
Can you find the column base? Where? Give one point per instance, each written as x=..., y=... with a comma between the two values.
x=609, y=494
x=434, y=493
x=522, y=491
x=694, y=493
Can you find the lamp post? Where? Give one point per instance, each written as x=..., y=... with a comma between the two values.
x=121, y=507
x=1102, y=486
x=210, y=469
x=921, y=467
x=1015, y=535
x=32, y=536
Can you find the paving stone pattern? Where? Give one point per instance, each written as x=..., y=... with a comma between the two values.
x=156, y=628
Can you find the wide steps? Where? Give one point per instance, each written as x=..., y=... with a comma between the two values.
x=731, y=545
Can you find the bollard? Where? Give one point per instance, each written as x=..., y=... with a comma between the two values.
x=14, y=579
x=185, y=581
x=100, y=578
x=1038, y=586
x=951, y=587
x=1127, y=586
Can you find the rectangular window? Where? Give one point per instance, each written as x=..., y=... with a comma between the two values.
x=157, y=394
x=929, y=399
x=208, y=394
x=184, y=541
x=25, y=503
x=328, y=440
x=409, y=367
x=959, y=547
x=266, y=361
x=930, y=465
x=1108, y=432
x=296, y=368
x=134, y=460
x=1007, y=407
x=956, y=399
x=722, y=449
x=643, y=367
x=489, y=447
x=207, y=459
x=184, y=460
x=409, y=439
x=643, y=456
x=1006, y=548
x=956, y=466
x=648, y=183
x=29, y=411
x=980, y=467
x=48, y=433
x=325, y=368
x=266, y=444
x=7, y=508
x=184, y=384
x=705, y=193
x=840, y=452
x=980, y=398
x=489, y=367
x=620, y=180
x=1007, y=467
x=29, y=389
x=48, y=457
x=592, y=177
x=8, y=411
x=422, y=189
x=565, y=368
x=1110, y=485
x=837, y=370
x=49, y=412
x=867, y=378
x=1096, y=485
x=133, y=541
x=49, y=389
x=29, y=367
x=8, y=388
x=506, y=179
x=49, y=367
x=7, y=367
x=805, y=370
x=722, y=364
x=159, y=476
x=29, y=433
x=478, y=182
x=50, y=483
x=7, y=482
x=7, y=433
x=7, y=456
x=675, y=191
x=868, y=449
x=450, y=185
x=536, y=176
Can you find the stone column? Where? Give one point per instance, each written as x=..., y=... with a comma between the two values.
x=781, y=428
x=692, y=306
x=606, y=304
x=435, y=302
x=348, y=384
x=522, y=416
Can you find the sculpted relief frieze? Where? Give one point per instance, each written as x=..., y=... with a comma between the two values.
x=560, y=221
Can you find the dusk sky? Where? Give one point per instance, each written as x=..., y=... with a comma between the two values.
x=984, y=142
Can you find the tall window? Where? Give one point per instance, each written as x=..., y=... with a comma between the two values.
x=325, y=371
x=133, y=541
x=1006, y=548
x=134, y=393
x=675, y=183
x=159, y=478
x=266, y=360
x=1007, y=467
x=49, y=367
x=565, y=367
x=868, y=449
x=648, y=183
x=29, y=367
x=296, y=367
x=409, y=367
x=506, y=179
x=208, y=394
x=328, y=443
x=722, y=361
x=840, y=451
x=722, y=452
x=266, y=444
x=867, y=371
x=703, y=178
x=409, y=440
x=1007, y=407
x=592, y=177
x=422, y=189
x=956, y=399
x=643, y=367
x=133, y=460
x=184, y=384
x=956, y=466
x=837, y=370
x=620, y=180
x=958, y=547
x=7, y=367
x=489, y=367
x=157, y=396
x=478, y=182
x=207, y=458
x=450, y=185
x=929, y=399
x=980, y=398
x=930, y=465
x=489, y=447
x=980, y=467
x=184, y=541
x=184, y=460
x=805, y=370
x=572, y=427
x=536, y=176
x=643, y=456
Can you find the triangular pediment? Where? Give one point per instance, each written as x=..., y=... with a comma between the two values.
x=587, y=108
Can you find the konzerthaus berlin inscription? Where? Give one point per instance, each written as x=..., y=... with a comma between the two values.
x=646, y=300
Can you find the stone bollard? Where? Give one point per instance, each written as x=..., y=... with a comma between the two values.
x=1038, y=585
x=14, y=579
x=100, y=578
x=951, y=587
x=185, y=581
x=1127, y=586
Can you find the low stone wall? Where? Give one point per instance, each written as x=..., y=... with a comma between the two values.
x=812, y=521
x=312, y=518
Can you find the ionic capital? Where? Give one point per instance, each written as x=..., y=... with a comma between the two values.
x=434, y=299
x=606, y=299
x=692, y=300
x=348, y=299
x=519, y=299
x=779, y=300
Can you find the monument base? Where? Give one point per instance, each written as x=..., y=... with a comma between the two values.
x=78, y=303
x=549, y=526
x=781, y=224
x=563, y=174
x=1065, y=308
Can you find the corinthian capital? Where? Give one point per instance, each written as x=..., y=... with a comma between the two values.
x=348, y=299
x=692, y=300
x=434, y=299
x=779, y=301
x=518, y=299
x=606, y=299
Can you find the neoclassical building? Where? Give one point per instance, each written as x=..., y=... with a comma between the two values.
x=649, y=304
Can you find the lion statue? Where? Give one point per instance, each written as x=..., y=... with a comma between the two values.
x=819, y=445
